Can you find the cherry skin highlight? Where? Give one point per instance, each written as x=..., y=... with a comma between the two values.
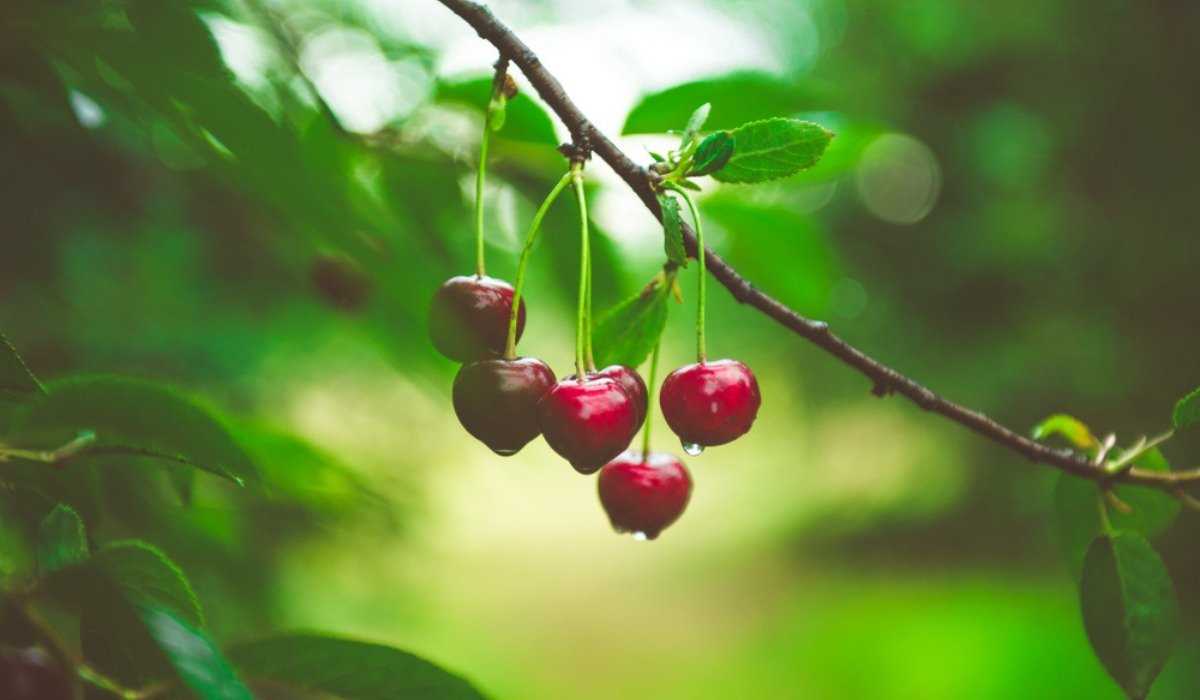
x=497, y=401
x=633, y=385
x=468, y=318
x=710, y=403
x=588, y=422
x=644, y=494
x=630, y=381
x=30, y=674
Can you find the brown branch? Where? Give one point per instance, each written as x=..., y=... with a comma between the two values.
x=885, y=380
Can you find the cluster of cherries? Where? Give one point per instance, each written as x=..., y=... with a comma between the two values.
x=507, y=401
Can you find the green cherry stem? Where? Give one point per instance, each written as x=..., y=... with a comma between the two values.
x=701, y=350
x=510, y=345
x=650, y=394
x=587, y=348
x=480, y=175
x=582, y=332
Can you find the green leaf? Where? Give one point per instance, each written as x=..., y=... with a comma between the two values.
x=626, y=333
x=762, y=236
x=773, y=148
x=524, y=119
x=195, y=658
x=694, y=124
x=62, y=541
x=1187, y=411
x=15, y=377
x=145, y=576
x=140, y=418
x=672, y=230
x=348, y=669
x=115, y=590
x=712, y=154
x=1129, y=609
x=1069, y=428
x=736, y=98
x=1077, y=512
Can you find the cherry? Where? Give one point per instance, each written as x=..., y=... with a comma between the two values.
x=644, y=494
x=630, y=381
x=497, y=401
x=468, y=319
x=710, y=403
x=588, y=422
x=30, y=674
x=633, y=385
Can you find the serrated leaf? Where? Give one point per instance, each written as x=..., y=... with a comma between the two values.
x=15, y=378
x=141, y=418
x=1187, y=411
x=672, y=230
x=62, y=541
x=736, y=98
x=773, y=148
x=145, y=576
x=712, y=154
x=695, y=123
x=1067, y=427
x=1129, y=609
x=348, y=669
x=113, y=590
x=626, y=333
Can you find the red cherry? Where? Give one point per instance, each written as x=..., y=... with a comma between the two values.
x=633, y=385
x=31, y=674
x=468, y=319
x=630, y=381
x=644, y=494
x=497, y=401
x=710, y=403
x=588, y=422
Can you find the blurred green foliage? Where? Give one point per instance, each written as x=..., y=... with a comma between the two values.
x=1026, y=247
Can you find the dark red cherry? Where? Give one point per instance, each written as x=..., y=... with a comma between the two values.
x=588, y=422
x=630, y=381
x=497, y=401
x=30, y=674
x=710, y=403
x=644, y=494
x=468, y=319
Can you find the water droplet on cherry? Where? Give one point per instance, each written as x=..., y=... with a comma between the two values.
x=693, y=449
x=640, y=536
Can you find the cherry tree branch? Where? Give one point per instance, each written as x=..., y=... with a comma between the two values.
x=885, y=379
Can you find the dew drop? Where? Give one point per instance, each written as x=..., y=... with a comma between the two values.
x=640, y=536
x=693, y=448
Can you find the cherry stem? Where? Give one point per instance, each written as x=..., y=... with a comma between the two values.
x=582, y=332
x=650, y=396
x=510, y=346
x=701, y=350
x=587, y=348
x=480, y=175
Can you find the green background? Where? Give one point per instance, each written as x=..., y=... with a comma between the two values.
x=1008, y=215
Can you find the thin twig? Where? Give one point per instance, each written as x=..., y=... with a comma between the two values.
x=884, y=379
